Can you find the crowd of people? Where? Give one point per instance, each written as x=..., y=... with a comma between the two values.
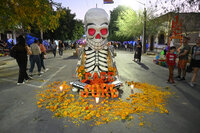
x=5, y=47
x=183, y=57
x=36, y=53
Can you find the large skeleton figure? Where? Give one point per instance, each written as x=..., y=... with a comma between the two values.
x=97, y=56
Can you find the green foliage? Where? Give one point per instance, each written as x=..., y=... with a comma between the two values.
x=78, y=30
x=113, y=22
x=130, y=24
x=16, y=14
x=69, y=28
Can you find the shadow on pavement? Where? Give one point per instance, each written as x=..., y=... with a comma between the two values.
x=195, y=102
x=195, y=88
x=143, y=66
x=70, y=57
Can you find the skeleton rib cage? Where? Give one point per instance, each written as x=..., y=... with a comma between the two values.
x=96, y=61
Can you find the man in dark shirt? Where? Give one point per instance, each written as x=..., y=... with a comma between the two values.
x=183, y=58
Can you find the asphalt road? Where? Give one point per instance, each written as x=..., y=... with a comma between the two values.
x=20, y=114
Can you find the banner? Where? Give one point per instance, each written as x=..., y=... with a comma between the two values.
x=108, y=1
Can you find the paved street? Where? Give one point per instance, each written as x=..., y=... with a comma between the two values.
x=20, y=114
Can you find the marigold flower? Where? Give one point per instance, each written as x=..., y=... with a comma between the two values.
x=141, y=124
x=127, y=98
x=57, y=114
x=166, y=111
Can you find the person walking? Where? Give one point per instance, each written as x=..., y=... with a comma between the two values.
x=54, y=48
x=138, y=51
x=183, y=58
x=35, y=57
x=21, y=57
x=42, y=55
x=195, y=61
x=60, y=48
x=171, y=61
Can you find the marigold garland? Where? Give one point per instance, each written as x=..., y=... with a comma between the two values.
x=80, y=110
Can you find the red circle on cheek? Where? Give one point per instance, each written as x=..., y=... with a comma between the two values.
x=104, y=31
x=91, y=31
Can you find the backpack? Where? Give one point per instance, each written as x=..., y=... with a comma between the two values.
x=13, y=52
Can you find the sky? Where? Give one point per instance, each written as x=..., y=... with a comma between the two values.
x=80, y=7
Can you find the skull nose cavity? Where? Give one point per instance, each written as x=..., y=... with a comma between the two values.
x=98, y=36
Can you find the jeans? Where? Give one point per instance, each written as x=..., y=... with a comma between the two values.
x=61, y=51
x=35, y=59
x=22, y=63
x=42, y=60
x=54, y=52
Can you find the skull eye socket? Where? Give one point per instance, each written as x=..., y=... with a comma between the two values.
x=91, y=31
x=104, y=31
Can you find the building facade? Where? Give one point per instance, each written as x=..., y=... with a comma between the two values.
x=190, y=26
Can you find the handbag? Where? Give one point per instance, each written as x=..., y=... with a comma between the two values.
x=28, y=49
x=43, y=55
x=13, y=52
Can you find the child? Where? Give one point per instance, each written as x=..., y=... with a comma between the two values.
x=171, y=61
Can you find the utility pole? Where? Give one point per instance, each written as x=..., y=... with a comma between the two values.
x=144, y=27
x=144, y=31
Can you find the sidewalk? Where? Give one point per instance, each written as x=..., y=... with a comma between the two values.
x=7, y=61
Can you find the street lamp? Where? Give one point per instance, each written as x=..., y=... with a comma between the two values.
x=144, y=27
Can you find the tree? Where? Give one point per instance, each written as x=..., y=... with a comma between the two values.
x=164, y=6
x=69, y=28
x=21, y=14
x=113, y=19
x=78, y=30
x=130, y=24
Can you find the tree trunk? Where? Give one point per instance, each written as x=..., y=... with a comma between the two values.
x=14, y=35
x=41, y=34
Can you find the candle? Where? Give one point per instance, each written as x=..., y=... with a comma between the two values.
x=61, y=88
x=132, y=87
x=97, y=99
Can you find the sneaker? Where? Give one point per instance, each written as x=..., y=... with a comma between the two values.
x=30, y=78
x=182, y=78
x=20, y=83
x=26, y=80
x=30, y=74
x=45, y=70
x=41, y=72
x=191, y=84
x=178, y=78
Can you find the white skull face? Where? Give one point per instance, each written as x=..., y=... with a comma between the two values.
x=96, y=28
